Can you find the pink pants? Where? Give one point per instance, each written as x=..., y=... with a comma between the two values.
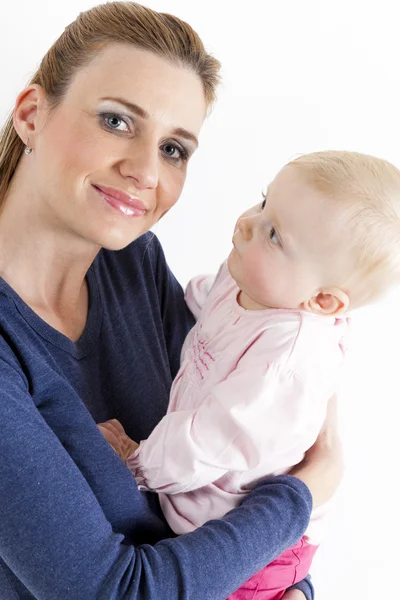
x=273, y=580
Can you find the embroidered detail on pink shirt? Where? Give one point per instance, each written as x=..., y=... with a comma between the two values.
x=200, y=355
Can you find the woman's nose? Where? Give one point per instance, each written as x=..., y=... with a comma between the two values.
x=142, y=165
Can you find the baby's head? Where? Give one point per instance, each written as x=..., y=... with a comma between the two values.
x=326, y=237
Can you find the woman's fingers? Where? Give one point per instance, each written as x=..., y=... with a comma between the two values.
x=114, y=425
x=112, y=438
x=323, y=466
x=115, y=435
x=330, y=425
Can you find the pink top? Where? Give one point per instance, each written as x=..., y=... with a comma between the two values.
x=248, y=401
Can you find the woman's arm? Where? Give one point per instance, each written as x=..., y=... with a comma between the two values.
x=323, y=465
x=55, y=538
x=322, y=468
x=124, y=447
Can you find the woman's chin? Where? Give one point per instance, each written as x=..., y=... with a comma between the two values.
x=118, y=242
x=113, y=238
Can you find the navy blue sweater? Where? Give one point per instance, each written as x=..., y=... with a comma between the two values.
x=73, y=523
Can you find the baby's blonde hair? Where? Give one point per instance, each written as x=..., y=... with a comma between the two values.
x=366, y=192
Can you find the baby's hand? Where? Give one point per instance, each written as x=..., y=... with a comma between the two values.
x=117, y=438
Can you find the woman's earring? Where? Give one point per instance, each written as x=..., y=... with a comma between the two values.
x=27, y=150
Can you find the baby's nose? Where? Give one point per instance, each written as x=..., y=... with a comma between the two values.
x=245, y=226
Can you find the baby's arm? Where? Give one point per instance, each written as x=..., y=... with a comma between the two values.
x=248, y=419
x=198, y=289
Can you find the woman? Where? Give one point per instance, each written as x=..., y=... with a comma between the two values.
x=90, y=318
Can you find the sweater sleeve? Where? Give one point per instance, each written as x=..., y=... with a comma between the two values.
x=57, y=541
x=306, y=587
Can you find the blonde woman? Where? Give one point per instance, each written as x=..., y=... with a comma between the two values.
x=92, y=323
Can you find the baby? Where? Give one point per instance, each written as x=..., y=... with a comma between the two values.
x=264, y=357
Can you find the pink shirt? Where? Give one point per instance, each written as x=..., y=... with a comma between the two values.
x=248, y=401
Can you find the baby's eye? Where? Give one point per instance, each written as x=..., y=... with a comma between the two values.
x=264, y=202
x=273, y=236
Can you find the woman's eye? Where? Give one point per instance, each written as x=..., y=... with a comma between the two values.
x=115, y=122
x=174, y=151
x=273, y=236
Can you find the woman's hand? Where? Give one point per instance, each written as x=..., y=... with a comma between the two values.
x=117, y=438
x=293, y=595
x=322, y=467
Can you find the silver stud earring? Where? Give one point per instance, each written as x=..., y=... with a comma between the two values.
x=27, y=150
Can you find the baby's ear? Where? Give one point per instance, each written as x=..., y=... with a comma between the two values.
x=330, y=301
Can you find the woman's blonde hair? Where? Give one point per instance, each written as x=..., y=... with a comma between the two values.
x=365, y=194
x=93, y=30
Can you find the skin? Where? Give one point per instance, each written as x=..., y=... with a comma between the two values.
x=294, y=595
x=53, y=221
x=115, y=435
x=285, y=250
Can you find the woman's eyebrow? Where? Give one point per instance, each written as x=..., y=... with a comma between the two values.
x=135, y=108
x=143, y=114
x=184, y=133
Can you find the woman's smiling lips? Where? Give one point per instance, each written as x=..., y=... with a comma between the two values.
x=125, y=204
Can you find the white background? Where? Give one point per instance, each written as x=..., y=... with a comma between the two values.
x=298, y=76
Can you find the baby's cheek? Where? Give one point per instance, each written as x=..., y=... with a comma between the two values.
x=259, y=277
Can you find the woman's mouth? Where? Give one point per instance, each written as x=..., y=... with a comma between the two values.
x=130, y=206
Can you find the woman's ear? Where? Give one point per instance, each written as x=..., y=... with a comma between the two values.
x=330, y=301
x=29, y=112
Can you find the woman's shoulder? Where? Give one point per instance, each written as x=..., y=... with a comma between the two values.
x=10, y=316
x=145, y=251
x=139, y=268
x=140, y=262
x=11, y=338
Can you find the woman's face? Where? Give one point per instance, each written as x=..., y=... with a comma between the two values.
x=111, y=160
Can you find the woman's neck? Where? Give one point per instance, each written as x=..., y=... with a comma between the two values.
x=44, y=263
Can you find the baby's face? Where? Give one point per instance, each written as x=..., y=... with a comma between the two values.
x=285, y=247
